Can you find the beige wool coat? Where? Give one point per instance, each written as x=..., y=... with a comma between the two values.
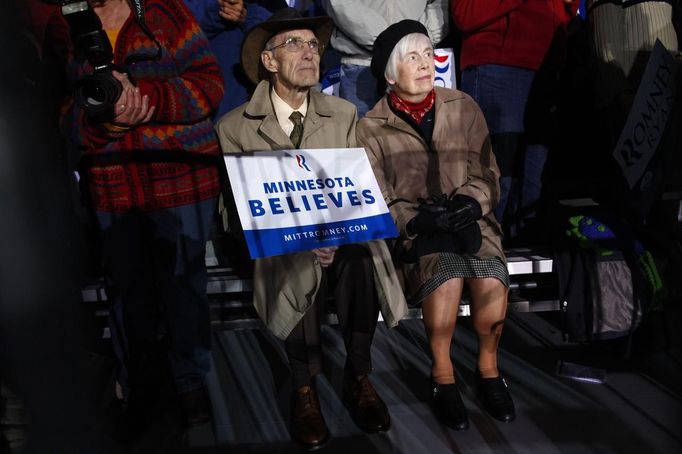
x=460, y=161
x=285, y=286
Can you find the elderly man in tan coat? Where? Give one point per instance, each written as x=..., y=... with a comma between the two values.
x=289, y=290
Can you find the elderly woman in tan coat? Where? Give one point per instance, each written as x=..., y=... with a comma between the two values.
x=430, y=150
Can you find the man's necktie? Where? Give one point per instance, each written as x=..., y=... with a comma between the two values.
x=297, y=133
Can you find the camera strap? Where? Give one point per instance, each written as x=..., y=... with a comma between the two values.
x=139, y=17
x=139, y=11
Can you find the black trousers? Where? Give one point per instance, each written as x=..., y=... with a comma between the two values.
x=351, y=278
x=156, y=263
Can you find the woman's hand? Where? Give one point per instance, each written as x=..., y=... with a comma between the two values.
x=465, y=210
x=325, y=255
x=131, y=108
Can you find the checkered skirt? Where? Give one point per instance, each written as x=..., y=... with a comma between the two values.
x=461, y=266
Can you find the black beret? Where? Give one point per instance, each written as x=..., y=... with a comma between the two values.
x=386, y=41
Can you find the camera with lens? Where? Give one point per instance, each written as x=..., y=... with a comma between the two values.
x=95, y=93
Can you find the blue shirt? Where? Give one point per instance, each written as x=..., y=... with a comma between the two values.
x=225, y=40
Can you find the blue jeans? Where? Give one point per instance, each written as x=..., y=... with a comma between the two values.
x=503, y=93
x=155, y=262
x=359, y=86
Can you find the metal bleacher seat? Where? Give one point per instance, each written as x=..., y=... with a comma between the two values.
x=533, y=288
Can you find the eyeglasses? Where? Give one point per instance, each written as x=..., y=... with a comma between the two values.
x=296, y=45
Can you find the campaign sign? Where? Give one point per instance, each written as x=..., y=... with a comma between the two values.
x=444, y=60
x=331, y=81
x=298, y=200
x=648, y=116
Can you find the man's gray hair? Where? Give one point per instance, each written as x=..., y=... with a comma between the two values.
x=270, y=43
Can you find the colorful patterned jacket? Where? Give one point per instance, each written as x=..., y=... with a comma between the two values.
x=173, y=159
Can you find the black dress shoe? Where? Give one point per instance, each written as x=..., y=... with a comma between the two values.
x=196, y=407
x=308, y=427
x=495, y=397
x=449, y=408
x=365, y=406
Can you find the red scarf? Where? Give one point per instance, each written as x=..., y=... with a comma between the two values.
x=416, y=110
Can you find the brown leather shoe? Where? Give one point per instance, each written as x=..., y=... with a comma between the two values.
x=365, y=406
x=307, y=424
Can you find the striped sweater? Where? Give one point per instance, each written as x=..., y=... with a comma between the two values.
x=171, y=160
x=623, y=34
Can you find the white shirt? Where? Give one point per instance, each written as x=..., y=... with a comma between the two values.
x=284, y=110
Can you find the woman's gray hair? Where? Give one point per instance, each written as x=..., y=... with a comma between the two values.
x=406, y=44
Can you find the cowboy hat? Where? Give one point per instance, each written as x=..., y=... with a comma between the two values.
x=282, y=20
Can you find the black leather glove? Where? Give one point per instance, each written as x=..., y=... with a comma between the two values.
x=468, y=240
x=464, y=210
x=432, y=216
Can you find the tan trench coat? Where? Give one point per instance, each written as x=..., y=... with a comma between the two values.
x=462, y=162
x=285, y=286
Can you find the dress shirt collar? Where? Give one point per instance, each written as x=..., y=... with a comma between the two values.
x=283, y=110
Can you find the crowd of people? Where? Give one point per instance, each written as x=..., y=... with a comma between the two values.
x=461, y=170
